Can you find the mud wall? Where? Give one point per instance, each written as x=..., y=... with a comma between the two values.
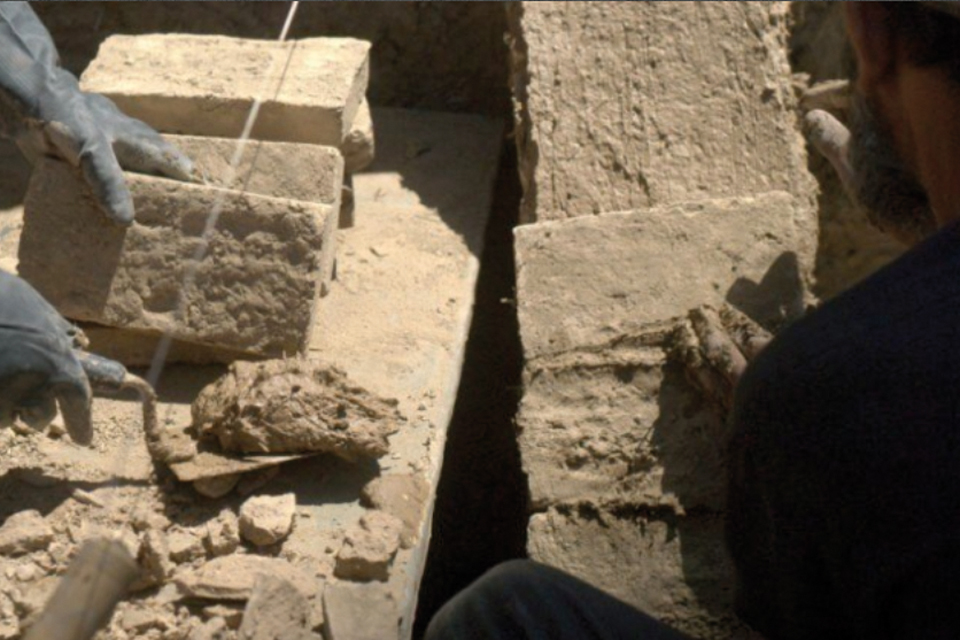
x=662, y=168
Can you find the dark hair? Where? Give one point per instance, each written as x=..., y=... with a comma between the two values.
x=931, y=36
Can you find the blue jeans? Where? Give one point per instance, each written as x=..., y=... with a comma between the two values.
x=529, y=601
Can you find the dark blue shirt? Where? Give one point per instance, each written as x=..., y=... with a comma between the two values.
x=844, y=512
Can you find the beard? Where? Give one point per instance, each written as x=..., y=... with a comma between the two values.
x=891, y=196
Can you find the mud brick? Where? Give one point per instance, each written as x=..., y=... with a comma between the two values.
x=254, y=290
x=206, y=85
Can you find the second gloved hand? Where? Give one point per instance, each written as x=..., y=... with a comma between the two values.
x=39, y=363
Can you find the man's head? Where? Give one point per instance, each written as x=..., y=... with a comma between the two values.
x=905, y=121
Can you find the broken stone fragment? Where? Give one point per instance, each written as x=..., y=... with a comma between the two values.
x=9, y=629
x=231, y=614
x=266, y=520
x=276, y=609
x=232, y=577
x=213, y=629
x=358, y=146
x=30, y=599
x=360, y=612
x=369, y=549
x=146, y=517
x=154, y=560
x=184, y=546
x=402, y=495
x=223, y=534
x=139, y=620
x=217, y=486
x=294, y=405
x=24, y=532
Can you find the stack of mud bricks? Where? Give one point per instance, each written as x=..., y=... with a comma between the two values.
x=271, y=254
x=673, y=174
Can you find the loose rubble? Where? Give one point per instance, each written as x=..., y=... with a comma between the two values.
x=184, y=546
x=360, y=612
x=368, y=550
x=24, y=532
x=232, y=577
x=217, y=486
x=154, y=561
x=222, y=534
x=401, y=495
x=276, y=609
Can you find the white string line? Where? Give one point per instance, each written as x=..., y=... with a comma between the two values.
x=163, y=347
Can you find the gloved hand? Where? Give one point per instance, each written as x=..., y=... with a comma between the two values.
x=44, y=110
x=39, y=363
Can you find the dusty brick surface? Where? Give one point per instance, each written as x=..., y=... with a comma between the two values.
x=582, y=281
x=682, y=101
x=254, y=291
x=676, y=570
x=168, y=81
x=308, y=172
x=313, y=173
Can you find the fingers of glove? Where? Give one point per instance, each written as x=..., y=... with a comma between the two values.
x=103, y=173
x=700, y=372
x=153, y=154
x=749, y=336
x=715, y=344
x=74, y=399
x=63, y=141
x=137, y=146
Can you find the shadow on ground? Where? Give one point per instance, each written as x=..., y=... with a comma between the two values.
x=480, y=515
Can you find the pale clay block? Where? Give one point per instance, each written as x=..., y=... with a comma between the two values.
x=206, y=85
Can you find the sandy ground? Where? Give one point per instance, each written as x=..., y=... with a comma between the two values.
x=396, y=321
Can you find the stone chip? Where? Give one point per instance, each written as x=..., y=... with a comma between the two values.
x=368, y=549
x=232, y=577
x=403, y=495
x=266, y=520
x=360, y=612
x=276, y=609
x=24, y=532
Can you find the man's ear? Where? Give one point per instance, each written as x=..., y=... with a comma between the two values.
x=872, y=36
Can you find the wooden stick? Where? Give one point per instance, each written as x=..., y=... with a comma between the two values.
x=96, y=580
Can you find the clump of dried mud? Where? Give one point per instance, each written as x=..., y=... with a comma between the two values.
x=294, y=406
